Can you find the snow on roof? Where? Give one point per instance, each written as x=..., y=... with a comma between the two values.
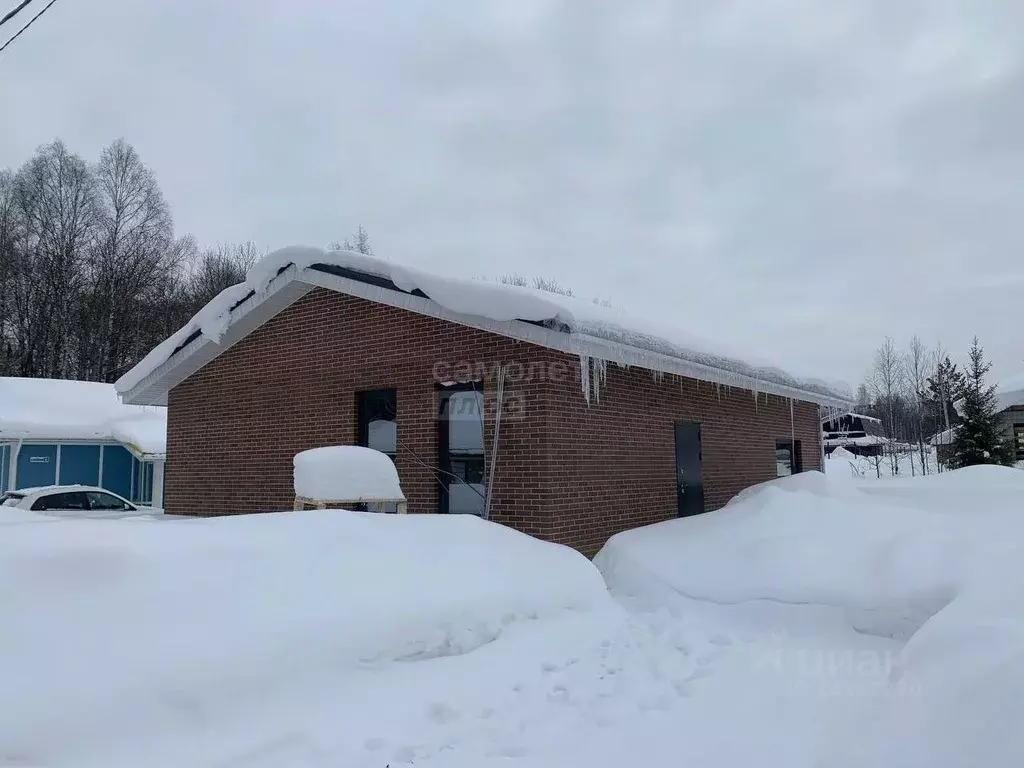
x=595, y=332
x=863, y=442
x=945, y=437
x=56, y=409
x=861, y=416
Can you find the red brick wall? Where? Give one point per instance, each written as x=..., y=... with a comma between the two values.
x=565, y=471
x=614, y=460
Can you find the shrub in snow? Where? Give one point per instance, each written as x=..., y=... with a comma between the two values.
x=346, y=473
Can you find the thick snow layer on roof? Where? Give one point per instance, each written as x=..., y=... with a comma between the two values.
x=346, y=473
x=863, y=442
x=494, y=301
x=57, y=409
x=861, y=416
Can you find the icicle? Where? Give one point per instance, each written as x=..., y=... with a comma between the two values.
x=659, y=376
x=585, y=376
x=598, y=376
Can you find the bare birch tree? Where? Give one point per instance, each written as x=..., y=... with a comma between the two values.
x=885, y=380
x=918, y=364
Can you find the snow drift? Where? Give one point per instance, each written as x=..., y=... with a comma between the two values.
x=173, y=624
x=935, y=561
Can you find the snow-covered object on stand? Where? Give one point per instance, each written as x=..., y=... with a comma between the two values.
x=346, y=473
x=65, y=410
x=596, y=334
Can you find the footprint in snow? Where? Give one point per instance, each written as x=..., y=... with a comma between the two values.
x=440, y=713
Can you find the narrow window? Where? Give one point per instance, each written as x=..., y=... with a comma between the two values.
x=461, y=448
x=1018, y=434
x=787, y=458
x=377, y=417
x=378, y=420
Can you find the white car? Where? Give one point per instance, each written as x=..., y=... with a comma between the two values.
x=74, y=500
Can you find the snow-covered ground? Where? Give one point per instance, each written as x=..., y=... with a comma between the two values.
x=815, y=621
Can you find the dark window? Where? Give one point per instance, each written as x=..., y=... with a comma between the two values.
x=61, y=501
x=377, y=416
x=787, y=458
x=378, y=420
x=461, y=450
x=1018, y=436
x=106, y=501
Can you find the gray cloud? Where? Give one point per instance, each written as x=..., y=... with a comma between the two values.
x=798, y=177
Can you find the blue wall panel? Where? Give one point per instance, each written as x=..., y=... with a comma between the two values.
x=5, y=466
x=37, y=465
x=79, y=465
x=117, y=470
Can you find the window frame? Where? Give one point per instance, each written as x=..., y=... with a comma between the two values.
x=795, y=458
x=363, y=416
x=444, y=454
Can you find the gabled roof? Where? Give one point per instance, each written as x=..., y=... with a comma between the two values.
x=63, y=410
x=595, y=333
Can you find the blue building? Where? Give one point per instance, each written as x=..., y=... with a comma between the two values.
x=55, y=432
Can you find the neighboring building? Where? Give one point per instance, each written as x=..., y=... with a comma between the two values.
x=1010, y=397
x=859, y=434
x=56, y=432
x=1010, y=402
x=605, y=423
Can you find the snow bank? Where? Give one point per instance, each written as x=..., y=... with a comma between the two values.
x=126, y=630
x=52, y=409
x=935, y=561
x=494, y=301
x=890, y=554
x=346, y=473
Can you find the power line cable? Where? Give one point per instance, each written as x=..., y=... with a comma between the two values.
x=14, y=13
x=29, y=24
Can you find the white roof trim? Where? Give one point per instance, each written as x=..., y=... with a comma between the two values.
x=245, y=318
x=294, y=283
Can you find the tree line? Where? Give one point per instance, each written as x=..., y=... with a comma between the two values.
x=919, y=393
x=92, y=274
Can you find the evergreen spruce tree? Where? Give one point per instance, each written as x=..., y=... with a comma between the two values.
x=978, y=439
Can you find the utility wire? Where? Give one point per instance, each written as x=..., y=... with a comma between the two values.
x=14, y=13
x=29, y=24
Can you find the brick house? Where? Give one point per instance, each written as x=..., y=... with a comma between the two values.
x=580, y=427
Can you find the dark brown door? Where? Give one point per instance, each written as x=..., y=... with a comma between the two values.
x=689, y=477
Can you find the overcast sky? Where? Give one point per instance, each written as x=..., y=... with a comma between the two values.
x=799, y=177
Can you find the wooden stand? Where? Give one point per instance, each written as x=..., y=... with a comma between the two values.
x=304, y=502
